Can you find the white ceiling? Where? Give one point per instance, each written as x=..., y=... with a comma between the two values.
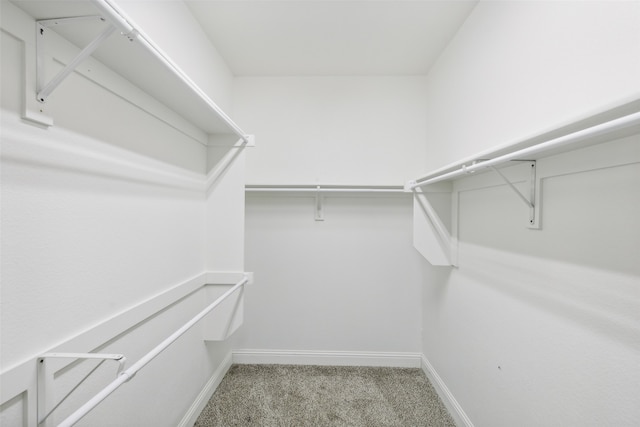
x=330, y=37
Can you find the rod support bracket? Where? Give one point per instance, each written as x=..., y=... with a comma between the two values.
x=409, y=186
x=249, y=140
x=529, y=198
x=534, y=197
x=319, y=214
x=44, y=89
x=46, y=374
x=131, y=35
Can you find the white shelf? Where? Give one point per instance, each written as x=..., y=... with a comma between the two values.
x=319, y=191
x=617, y=122
x=324, y=189
x=431, y=236
x=140, y=61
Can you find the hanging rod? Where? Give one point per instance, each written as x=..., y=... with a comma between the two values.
x=322, y=189
x=130, y=373
x=45, y=381
x=572, y=138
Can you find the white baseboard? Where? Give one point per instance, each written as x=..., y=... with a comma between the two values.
x=326, y=358
x=456, y=411
x=207, y=391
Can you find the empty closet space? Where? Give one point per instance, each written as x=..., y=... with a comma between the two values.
x=329, y=213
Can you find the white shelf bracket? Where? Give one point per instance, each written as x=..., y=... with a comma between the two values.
x=42, y=28
x=228, y=159
x=529, y=200
x=319, y=215
x=410, y=186
x=46, y=379
x=443, y=236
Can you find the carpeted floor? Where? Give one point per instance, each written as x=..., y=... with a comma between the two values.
x=297, y=396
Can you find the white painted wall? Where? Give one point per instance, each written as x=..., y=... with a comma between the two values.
x=518, y=68
x=224, y=215
x=333, y=130
x=101, y=212
x=539, y=327
x=350, y=283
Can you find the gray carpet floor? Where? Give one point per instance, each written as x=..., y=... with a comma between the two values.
x=296, y=396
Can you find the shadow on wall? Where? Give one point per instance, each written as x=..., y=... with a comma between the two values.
x=588, y=218
x=602, y=301
x=580, y=266
x=435, y=279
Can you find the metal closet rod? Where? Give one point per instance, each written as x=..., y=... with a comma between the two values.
x=591, y=132
x=129, y=373
x=118, y=18
x=323, y=189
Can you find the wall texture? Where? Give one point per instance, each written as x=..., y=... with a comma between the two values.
x=348, y=284
x=539, y=327
x=333, y=130
x=101, y=212
x=517, y=69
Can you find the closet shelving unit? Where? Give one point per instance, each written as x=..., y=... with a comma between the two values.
x=114, y=39
x=614, y=123
x=123, y=376
x=322, y=188
x=319, y=190
x=134, y=56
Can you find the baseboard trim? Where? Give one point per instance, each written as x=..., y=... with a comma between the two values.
x=326, y=358
x=190, y=417
x=456, y=411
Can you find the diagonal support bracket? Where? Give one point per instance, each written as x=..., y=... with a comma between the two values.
x=42, y=27
x=530, y=199
x=444, y=256
x=46, y=378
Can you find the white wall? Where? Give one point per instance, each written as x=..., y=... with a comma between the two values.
x=333, y=130
x=518, y=68
x=101, y=212
x=224, y=228
x=350, y=283
x=539, y=327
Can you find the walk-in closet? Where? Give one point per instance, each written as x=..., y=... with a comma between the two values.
x=369, y=213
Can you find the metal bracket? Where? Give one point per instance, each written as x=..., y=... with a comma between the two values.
x=46, y=378
x=319, y=216
x=530, y=201
x=409, y=187
x=42, y=26
x=443, y=235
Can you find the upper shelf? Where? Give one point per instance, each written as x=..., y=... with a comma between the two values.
x=323, y=189
x=614, y=123
x=136, y=58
